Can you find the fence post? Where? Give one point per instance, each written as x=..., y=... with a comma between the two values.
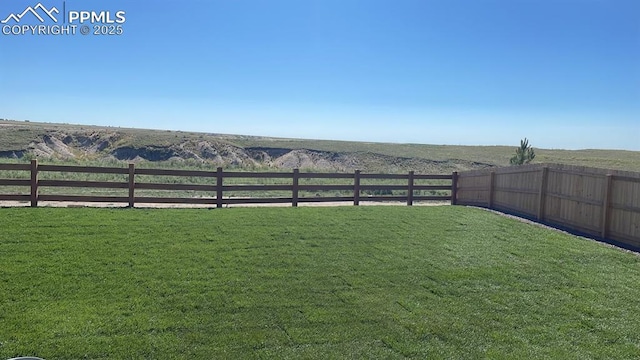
x=492, y=184
x=606, y=204
x=219, y=188
x=294, y=195
x=410, y=189
x=34, y=183
x=356, y=188
x=132, y=184
x=454, y=188
x=542, y=194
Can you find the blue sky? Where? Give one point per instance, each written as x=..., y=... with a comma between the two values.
x=564, y=73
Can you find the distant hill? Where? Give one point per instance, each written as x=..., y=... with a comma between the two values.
x=82, y=143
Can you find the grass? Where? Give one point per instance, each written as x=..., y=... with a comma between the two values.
x=348, y=282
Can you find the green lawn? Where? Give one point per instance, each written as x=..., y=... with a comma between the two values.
x=321, y=283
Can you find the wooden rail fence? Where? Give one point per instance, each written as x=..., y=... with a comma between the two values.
x=600, y=203
x=217, y=186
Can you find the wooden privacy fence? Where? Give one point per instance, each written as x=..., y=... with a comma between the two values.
x=214, y=191
x=597, y=202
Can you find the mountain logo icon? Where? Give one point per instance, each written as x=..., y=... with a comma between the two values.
x=34, y=11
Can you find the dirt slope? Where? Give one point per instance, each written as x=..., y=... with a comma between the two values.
x=91, y=144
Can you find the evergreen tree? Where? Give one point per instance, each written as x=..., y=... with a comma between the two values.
x=524, y=154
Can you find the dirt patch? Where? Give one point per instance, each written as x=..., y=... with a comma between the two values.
x=308, y=159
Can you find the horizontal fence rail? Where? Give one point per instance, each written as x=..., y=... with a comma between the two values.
x=213, y=187
x=597, y=202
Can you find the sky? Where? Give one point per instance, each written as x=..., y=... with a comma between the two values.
x=563, y=73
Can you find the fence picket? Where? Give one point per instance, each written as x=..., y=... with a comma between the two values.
x=596, y=202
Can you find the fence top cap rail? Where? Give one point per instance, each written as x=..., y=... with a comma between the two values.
x=327, y=175
x=432, y=177
x=174, y=172
x=84, y=169
x=24, y=167
x=383, y=176
x=255, y=174
x=212, y=172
